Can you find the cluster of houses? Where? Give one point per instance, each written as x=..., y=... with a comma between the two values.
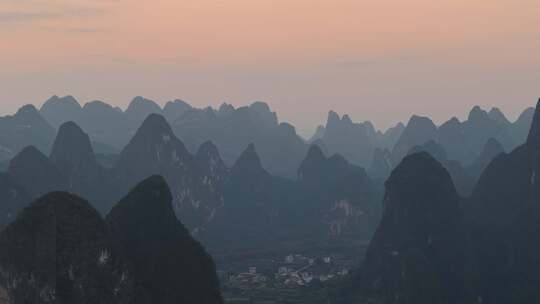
x=294, y=270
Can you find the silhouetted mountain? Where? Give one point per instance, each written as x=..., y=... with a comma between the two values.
x=491, y=150
x=104, y=124
x=59, y=251
x=504, y=216
x=389, y=138
x=480, y=127
x=174, y=109
x=336, y=193
x=58, y=110
x=417, y=254
x=498, y=116
x=73, y=155
x=231, y=130
x=252, y=209
x=36, y=173
x=139, y=109
x=462, y=180
x=156, y=150
x=169, y=265
x=452, y=136
x=26, y=127
x=355, y=141
x=519, y=130
x=419, y=130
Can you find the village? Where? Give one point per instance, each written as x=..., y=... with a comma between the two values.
x=287, y=279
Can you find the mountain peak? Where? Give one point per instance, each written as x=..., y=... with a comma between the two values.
x=155, y=123
x=26, y=110
x=314, y=159
x=169, y=265
x=72, y=146
x=497, y=115
x=150, y=198
x=140, y=108
x=333, y=119
x=97, y=105
x=248, y=161
x=346, y=119
x=477, y=113
x=66, y=101
x=418, y=241
x=176, y=108
x=260, y=106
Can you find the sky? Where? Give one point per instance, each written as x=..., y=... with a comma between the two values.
x=375, y=60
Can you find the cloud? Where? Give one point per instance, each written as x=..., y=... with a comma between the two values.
x=28, y=11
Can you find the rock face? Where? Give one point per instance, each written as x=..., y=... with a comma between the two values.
x=156, y=150
x=169, y=265
x=417, y=254
x=59, y=251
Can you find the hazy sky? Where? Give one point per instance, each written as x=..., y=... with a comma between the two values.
x=379, y=60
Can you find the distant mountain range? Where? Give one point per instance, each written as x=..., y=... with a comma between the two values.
x=450, y=216
x=232, y=129
x=432, y=246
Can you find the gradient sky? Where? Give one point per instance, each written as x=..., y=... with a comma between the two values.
x=379, y=60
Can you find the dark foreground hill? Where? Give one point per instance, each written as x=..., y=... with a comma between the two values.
x=60, y=250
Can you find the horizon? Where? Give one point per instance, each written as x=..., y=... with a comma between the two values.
x=305, y=133
x=381, y=61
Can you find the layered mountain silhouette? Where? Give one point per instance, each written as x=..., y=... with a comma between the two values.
x=231, y=130
x=417, y=254
x=24, y=128
x=462, y=178
x=504, y=216
x=194, y=181
x=355, y=141
x=60, y=250
x=253, y=213
x=169, y=266
x=487, y=251
x=418, y=131
x=338, y=194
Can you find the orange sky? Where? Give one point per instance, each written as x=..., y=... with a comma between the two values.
x=380, y=60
